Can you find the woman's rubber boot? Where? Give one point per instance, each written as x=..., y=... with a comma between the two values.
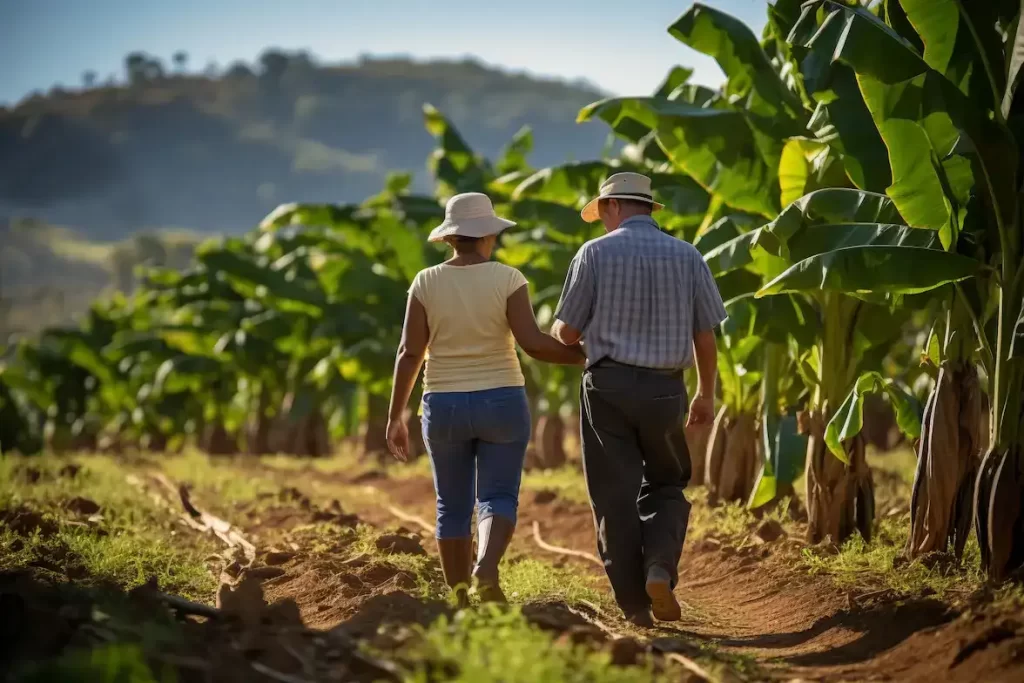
x=495, y=533
x=457, y=564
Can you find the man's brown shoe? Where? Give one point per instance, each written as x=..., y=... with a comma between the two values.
x=663, y=600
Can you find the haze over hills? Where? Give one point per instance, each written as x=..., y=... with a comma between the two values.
x=217, y=153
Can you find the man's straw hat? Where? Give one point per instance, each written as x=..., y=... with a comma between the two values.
x=469, y=214
x=622, y=186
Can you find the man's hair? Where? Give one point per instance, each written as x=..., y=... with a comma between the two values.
x=637, y=204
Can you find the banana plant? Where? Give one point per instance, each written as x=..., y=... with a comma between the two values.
x=947, y=114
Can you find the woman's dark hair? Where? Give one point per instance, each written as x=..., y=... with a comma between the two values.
x=464, y=245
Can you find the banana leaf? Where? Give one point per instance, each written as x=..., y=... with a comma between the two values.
x=811, y=240
x=252, y=280
x=849, y=418
x=787, y=448
x=925, y=121
x=676, y=77
x=807, y=165
x=454, y=164
x=716, y=147
x=737, y=50
x=513, y=156
x=953, y=32
x=874, y=269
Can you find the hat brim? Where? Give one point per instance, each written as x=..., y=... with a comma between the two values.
x=470, y=227
x=590, y=214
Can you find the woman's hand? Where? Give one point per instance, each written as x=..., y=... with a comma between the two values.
x=398, y=439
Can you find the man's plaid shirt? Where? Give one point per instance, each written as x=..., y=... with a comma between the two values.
x=639, y=295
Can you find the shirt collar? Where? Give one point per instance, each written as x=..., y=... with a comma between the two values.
x=639, y=222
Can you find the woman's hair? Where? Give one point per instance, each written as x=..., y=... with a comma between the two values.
x=462, y=244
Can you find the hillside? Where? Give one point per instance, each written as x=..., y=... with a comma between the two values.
x=216, y=154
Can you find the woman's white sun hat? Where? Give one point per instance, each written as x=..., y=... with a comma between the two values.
x=622, y=186
x=469, y=214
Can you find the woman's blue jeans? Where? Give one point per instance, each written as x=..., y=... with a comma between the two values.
x=477, y=442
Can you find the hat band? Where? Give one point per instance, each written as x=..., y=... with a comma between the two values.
x=639, y=195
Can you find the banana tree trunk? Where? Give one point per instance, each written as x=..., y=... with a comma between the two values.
x=732, y=457
x=948, y=459
x=999, y=492
x=375, y=432
x=217, y=441
x=550, y=441
x=259, y=427
x=840, y=498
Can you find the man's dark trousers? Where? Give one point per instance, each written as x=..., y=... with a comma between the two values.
x=636, y=464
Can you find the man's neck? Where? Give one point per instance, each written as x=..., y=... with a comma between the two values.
x=637, y=219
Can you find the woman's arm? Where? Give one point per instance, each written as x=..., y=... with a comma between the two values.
x=408, y=362
x=534, y=342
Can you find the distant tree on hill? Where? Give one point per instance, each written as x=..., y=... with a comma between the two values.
x=180, y=59
x=239, y=70
x=140, y=67
x=274, y=63
x=89, y=79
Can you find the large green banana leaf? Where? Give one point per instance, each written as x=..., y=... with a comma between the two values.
x=874, y=269
x=955, y=35
x=677, y=76
x=830, y=205
x=254, y=280
x=737, y=50
x=941, y=144
x=719, y=148
x=453, y=163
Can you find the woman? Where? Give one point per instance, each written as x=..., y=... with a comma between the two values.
x=461, y=317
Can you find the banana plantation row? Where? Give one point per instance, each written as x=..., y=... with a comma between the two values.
x=853, y=186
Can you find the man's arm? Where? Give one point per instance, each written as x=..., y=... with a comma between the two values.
x=702, y=408
x=567, y=334
x=708, y=313
x=577, y=302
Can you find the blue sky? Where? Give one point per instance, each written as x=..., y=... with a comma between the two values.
x=620, y=46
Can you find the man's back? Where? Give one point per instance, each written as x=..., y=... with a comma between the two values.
x=638, y=296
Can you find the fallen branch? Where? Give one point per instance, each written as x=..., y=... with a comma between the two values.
x=590, y=619
x=204, y=521
x=563, y=551
x=183, y=606
x=411, y=518
x=688, y=664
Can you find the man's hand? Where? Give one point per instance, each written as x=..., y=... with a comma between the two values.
x=702, y=411
x=398, y=439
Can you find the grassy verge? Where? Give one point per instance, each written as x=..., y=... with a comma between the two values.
x=497, y=645
x=81, y=519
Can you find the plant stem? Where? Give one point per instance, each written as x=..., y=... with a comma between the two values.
x=987, y=360
x=996, y=95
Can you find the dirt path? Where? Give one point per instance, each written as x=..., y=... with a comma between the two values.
x=755, y=604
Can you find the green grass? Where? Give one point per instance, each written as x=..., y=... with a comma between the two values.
x=131, y=539
x=500, y=645
x=881, y=562
x=567, y=482
x=217, y=481
x=529, y=580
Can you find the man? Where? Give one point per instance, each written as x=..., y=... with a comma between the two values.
x=645, y=305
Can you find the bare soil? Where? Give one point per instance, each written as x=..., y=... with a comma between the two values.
x=300, y=609
x=754, y=603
